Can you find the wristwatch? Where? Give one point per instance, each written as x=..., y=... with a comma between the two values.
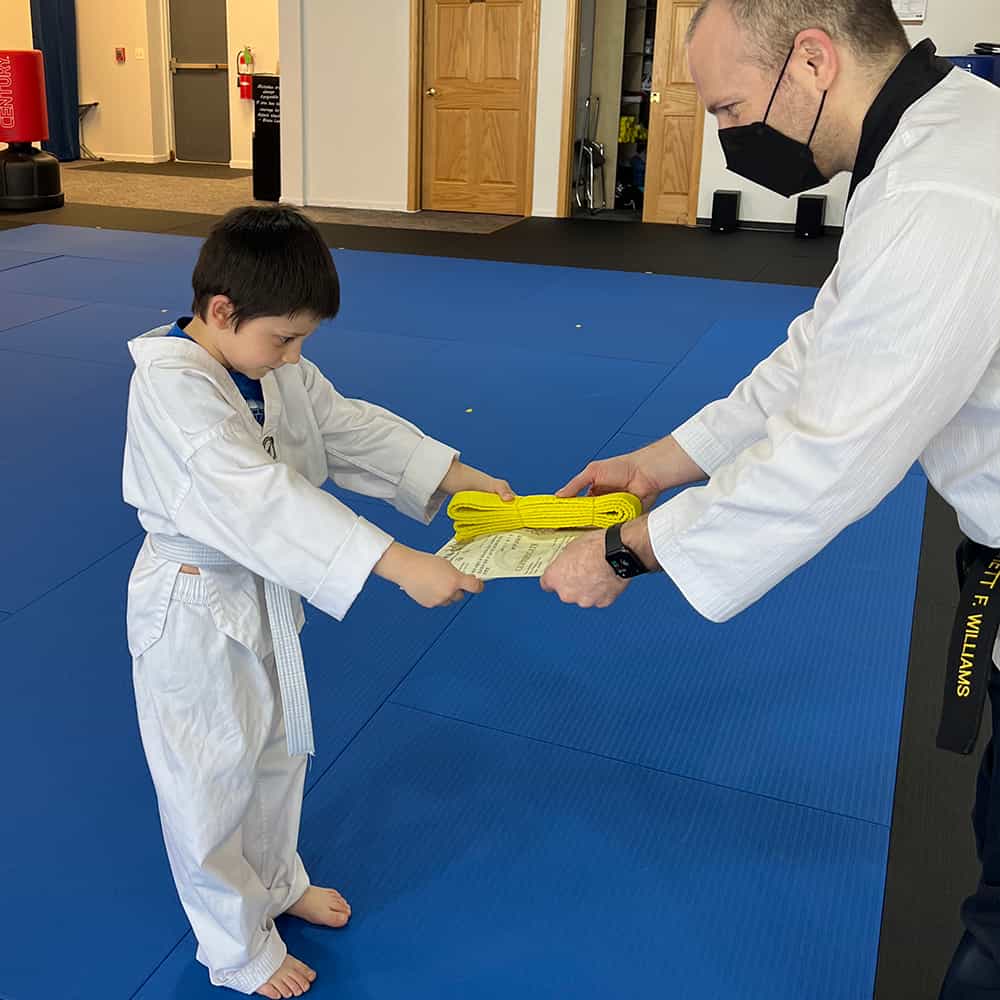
x=625, y=563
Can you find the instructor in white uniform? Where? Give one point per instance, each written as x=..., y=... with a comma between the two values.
x=896, y=362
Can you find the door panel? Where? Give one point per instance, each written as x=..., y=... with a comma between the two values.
x=198, y=44
x=676, y=123
x=477, y=106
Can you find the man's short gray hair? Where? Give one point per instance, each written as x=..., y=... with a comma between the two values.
x=870, y=27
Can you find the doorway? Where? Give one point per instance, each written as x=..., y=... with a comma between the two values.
x=632, y=104
x=199, y=72
x=473, y=83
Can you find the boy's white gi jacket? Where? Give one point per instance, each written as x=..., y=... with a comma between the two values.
x=198, y=464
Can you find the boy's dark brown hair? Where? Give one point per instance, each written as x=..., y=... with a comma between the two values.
x=268, y=261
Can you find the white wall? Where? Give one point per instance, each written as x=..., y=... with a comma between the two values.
x=549, y=107
x=291, y=44
x=133, y=120
x=355, y=102
x=954, y=25
x=121, y=128
x=345, y=86
x=253, y=23
x=15, y=24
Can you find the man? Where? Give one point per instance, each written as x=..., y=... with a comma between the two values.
x=896, y=362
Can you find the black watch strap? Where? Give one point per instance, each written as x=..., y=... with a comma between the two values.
x=625, y=563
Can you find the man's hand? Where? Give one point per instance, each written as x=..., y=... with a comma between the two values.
x=580, y=574
x=614, y=475
x=462, y=477
x=645, y=473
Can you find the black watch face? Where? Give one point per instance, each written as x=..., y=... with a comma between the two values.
x=625, y=565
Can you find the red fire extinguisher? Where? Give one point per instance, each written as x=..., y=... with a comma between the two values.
x=244, y=70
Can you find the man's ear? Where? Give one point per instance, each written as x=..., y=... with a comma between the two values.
x=815, y=60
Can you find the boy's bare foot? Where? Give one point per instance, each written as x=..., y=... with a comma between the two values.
x=322, y=906
x=292, y=979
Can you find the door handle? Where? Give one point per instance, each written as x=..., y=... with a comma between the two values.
x=430, y=92
x=655, y=97
x=175, y=65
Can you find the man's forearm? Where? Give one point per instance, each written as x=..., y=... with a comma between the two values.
x=666, y=462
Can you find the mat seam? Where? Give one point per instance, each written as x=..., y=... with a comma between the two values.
x=70, y=579
x=644, y=767
x=388, y=698
x=62, y=312
x=17, y=267
x=112, y=365
x=670, y=370
x=159, y=965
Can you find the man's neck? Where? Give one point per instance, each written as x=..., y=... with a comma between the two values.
x=861, y=93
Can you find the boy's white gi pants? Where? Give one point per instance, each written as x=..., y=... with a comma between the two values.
x=230, y=797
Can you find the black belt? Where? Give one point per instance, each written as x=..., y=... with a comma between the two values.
x=970, y=655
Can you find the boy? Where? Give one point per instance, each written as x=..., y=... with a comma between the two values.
x=231, y=434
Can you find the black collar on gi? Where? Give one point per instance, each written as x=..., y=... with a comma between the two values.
x=919, y=73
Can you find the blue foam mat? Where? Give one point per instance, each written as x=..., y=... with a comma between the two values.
x=727, y=353
x=81, y=855
x=535, y=415
x=106, y=244
x=572, y=310
x=93, y=333
x=18, y=308
x=437, y=829
x=483, y=866
x=83, y=809
x=720, y=359
x=165, y=285
x=784, y=700
x=63, y=496
x=17, y=258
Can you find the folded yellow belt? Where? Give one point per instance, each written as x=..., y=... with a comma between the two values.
x=478, y=514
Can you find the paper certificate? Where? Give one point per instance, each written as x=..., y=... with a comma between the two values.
x=910, y=10
x=524, y=553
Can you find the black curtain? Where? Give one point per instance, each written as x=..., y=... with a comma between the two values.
x=53, y=29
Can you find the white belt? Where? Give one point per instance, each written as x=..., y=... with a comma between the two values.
x=284, y=636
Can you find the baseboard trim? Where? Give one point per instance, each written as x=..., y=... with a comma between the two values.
x=772, y=227
x=132, y=157
x=363, y=206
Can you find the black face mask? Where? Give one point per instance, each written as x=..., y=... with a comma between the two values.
x=766, y=156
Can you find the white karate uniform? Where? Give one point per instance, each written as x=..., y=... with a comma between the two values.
x=198, y=465
x=897, y=361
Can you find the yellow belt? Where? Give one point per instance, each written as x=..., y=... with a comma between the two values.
x=476, y=513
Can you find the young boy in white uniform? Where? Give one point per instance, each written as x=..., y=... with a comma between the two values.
x=231, y=434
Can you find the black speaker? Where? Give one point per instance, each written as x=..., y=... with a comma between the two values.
x=810, y=220
x=726, y=211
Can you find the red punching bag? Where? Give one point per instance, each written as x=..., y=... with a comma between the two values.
x=29, y=177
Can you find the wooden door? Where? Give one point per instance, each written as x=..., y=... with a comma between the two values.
x=676, y=123
x=479, y=64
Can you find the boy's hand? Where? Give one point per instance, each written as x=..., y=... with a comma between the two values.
x=463, y=477
x=429, y=580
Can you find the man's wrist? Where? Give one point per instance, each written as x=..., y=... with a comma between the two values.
x=635, y=534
